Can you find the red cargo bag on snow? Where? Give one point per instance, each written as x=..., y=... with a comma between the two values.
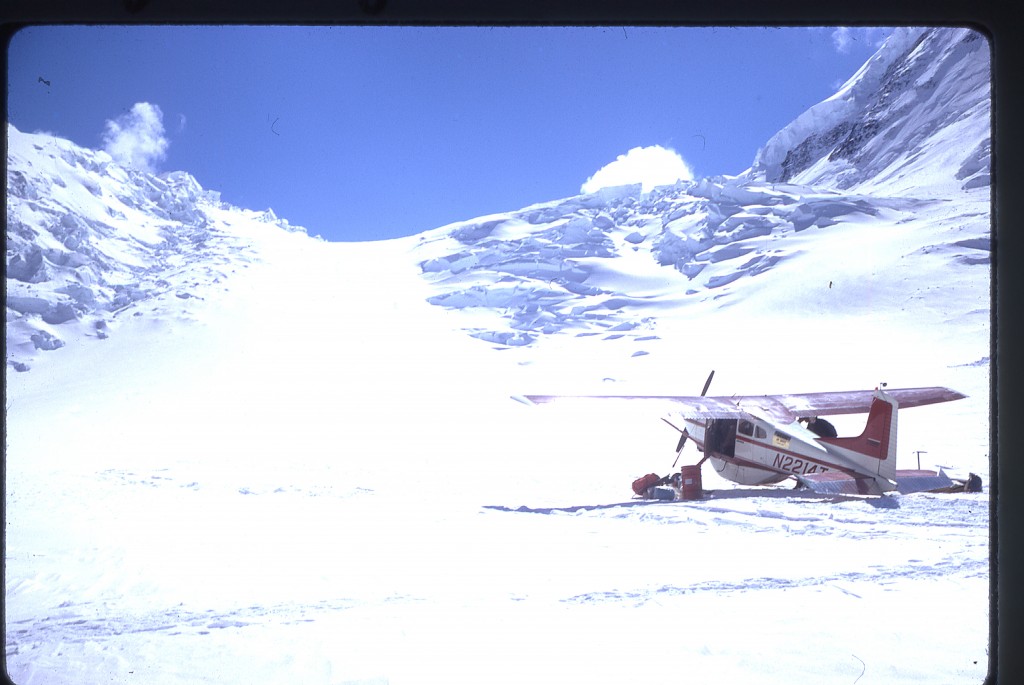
x=640, y=485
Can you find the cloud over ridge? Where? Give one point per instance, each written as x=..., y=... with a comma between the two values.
x=137, y=139
x=651, y=166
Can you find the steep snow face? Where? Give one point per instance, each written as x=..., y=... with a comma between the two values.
x=900, y=125
x=89, y=241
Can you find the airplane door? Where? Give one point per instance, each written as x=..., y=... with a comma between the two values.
x=720, y=437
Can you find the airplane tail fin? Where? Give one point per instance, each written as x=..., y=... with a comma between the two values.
x=874, y=450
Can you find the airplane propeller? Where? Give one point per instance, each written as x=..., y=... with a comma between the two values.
x=685, y=435
x=682, y=441
x=707, y=383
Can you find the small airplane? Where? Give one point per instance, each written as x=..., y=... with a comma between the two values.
x=764, y=439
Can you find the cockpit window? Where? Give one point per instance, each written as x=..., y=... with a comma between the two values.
x=746, y=427
x=761, y=432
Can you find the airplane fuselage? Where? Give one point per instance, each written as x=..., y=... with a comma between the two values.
x=753, y=452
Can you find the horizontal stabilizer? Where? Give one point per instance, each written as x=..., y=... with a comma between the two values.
x=836, y=483
x=907, y=482
x=921, y=481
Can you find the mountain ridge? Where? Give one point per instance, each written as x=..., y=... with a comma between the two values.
x=884, y=126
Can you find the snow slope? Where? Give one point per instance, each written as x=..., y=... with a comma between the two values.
x=286, y=460
x=88, y=239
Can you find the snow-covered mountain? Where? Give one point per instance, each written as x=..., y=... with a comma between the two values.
x=236, y=453
x=916, y=119
x=886, y=155
x=903, y=140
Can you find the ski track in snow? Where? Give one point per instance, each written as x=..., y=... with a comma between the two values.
x=937, y=518
x=72, y=624
x=879, y=575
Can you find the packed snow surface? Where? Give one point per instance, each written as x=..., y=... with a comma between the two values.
x=237, y=454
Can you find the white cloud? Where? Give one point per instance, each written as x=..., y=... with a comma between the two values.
x=844, y=37
x=652, y=166
x=137, y=139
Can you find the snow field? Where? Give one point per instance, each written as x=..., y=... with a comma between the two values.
x=271, y=493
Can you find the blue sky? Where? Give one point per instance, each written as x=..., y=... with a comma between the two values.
x=362, y=133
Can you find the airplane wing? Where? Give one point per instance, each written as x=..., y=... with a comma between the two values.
x=691, y=407
x=859, y=401
x=779, y=408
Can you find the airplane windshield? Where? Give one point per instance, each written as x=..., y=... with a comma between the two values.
x=748, y=428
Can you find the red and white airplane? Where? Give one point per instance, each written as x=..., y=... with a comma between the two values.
x=764, y=439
